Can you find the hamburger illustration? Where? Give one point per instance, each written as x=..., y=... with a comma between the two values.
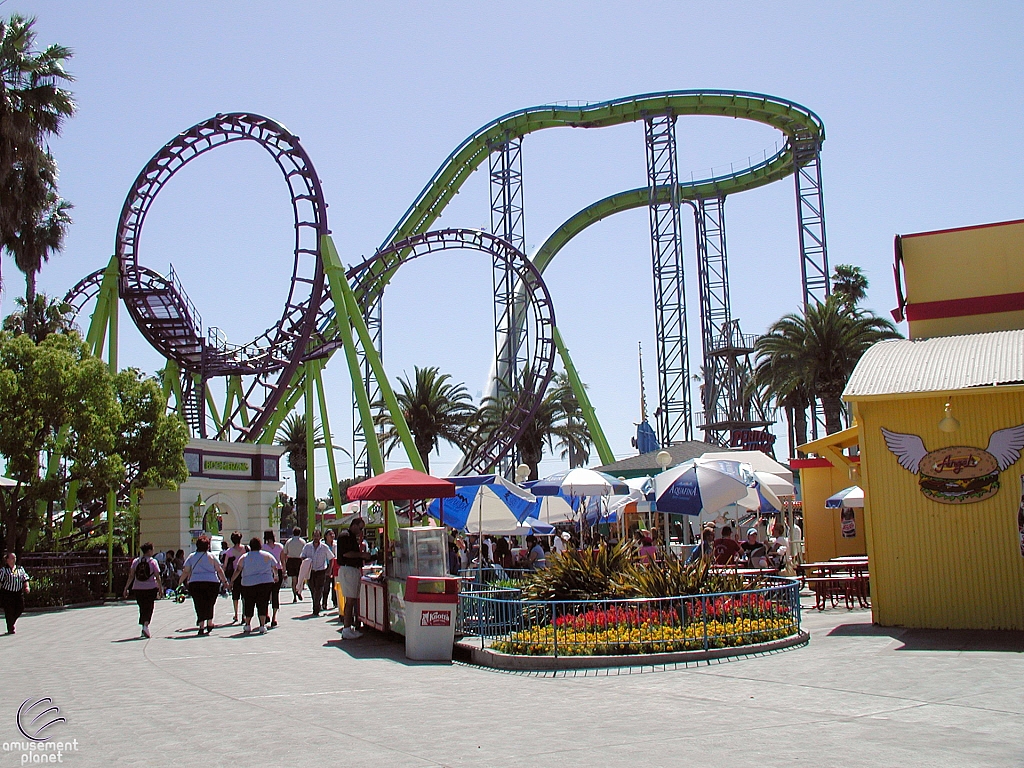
x=959, y=474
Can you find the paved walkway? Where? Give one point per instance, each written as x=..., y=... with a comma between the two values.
x=857, y=695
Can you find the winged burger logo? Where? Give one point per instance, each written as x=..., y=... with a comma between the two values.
x=959, y=474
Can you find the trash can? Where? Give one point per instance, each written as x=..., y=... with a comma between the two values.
x=431, y=603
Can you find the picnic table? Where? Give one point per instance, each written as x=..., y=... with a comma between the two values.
x=847, y=578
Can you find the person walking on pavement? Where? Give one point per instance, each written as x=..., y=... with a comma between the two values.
x=229, y=559
x=204, y=576
x=352, y=557
x=293, y=560
x=320, y=557
x=332, y=571
x=256, y=572
x=13, y=588
x=144, y=579
x=277, y=550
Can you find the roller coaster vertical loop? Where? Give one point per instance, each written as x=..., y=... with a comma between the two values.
x=162, y=310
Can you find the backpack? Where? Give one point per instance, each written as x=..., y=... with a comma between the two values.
x=142, y=570
x=229, y=567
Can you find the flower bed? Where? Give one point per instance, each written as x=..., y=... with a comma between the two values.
x=616, y=627
x=647, y=638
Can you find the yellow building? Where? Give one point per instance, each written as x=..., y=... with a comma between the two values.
x=966, y=280
x=832, y=470
x=943, y=486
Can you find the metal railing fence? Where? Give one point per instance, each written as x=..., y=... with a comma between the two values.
x=68, y=578
x=500, y=619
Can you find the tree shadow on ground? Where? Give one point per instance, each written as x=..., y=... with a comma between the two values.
x=992, y=640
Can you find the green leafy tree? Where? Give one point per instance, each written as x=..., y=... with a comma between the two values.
x=850, y=283
x=56, y=399
x=151, y=443
x=292, y=436
x=434, y=409
x=816, y=351
x=558, y=424
x=33, y=106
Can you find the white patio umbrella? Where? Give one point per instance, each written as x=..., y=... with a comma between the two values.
x=698, y=485
x=553, y=509
x=852, y=498
x=6, y=482
x=579, y=482
x=780, y=486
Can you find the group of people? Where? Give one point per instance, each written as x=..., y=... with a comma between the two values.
x=504, y=552
x=253, y=575
x=752, y=552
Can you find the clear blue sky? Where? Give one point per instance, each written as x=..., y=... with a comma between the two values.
x=921, y=102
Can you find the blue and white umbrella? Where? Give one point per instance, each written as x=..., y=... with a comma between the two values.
x=701, y=485
x=848, y=497
x=492, y=507
x=578, y=482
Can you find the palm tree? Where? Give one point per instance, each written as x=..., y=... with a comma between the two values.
x=433, y=408
x=815, y=352
x=40, y=234
x=850, y=283
x=33, y=106
x=292, y=436
x=50, y=316
x=557, y=423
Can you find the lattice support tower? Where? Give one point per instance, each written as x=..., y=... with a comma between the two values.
x=810, y=214
x=510, y=341
x=726, y=351
x=373, y=317
x=673, y=413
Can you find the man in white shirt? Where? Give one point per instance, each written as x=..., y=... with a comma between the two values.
x=320, y=557
x=293, y=560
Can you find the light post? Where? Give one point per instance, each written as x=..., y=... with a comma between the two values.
x=522, y=473
x=320, y=507
x=664, y=458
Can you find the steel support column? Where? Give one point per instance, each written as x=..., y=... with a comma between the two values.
x=506, y=186
x=673, y=413
x=727, y=405
x=511, y=353
x=362, y=466
x=810, y=215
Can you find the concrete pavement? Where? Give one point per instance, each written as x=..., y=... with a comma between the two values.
x=857, y=695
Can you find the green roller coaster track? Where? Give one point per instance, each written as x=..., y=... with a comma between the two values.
x=794, y=121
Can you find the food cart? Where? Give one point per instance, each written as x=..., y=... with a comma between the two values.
x=415, y=566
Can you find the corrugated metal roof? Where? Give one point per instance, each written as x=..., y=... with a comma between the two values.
x=940, y=364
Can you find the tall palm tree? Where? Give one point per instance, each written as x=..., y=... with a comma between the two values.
x=33, y=106
x=41, y=233
x=433, y=408
x=817, y=351
x=558, y=424
x=292, y=436
x=850, y=283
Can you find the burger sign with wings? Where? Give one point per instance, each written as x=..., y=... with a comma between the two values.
x=959, y=474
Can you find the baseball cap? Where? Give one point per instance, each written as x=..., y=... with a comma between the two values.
x=751, y=531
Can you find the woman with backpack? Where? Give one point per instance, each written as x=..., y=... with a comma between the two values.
x=204, y=577
x=144, y=579
x=230, y=560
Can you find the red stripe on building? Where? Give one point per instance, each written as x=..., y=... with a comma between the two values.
x=975, y=305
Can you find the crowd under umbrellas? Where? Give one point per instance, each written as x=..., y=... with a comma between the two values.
x=578, y=500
